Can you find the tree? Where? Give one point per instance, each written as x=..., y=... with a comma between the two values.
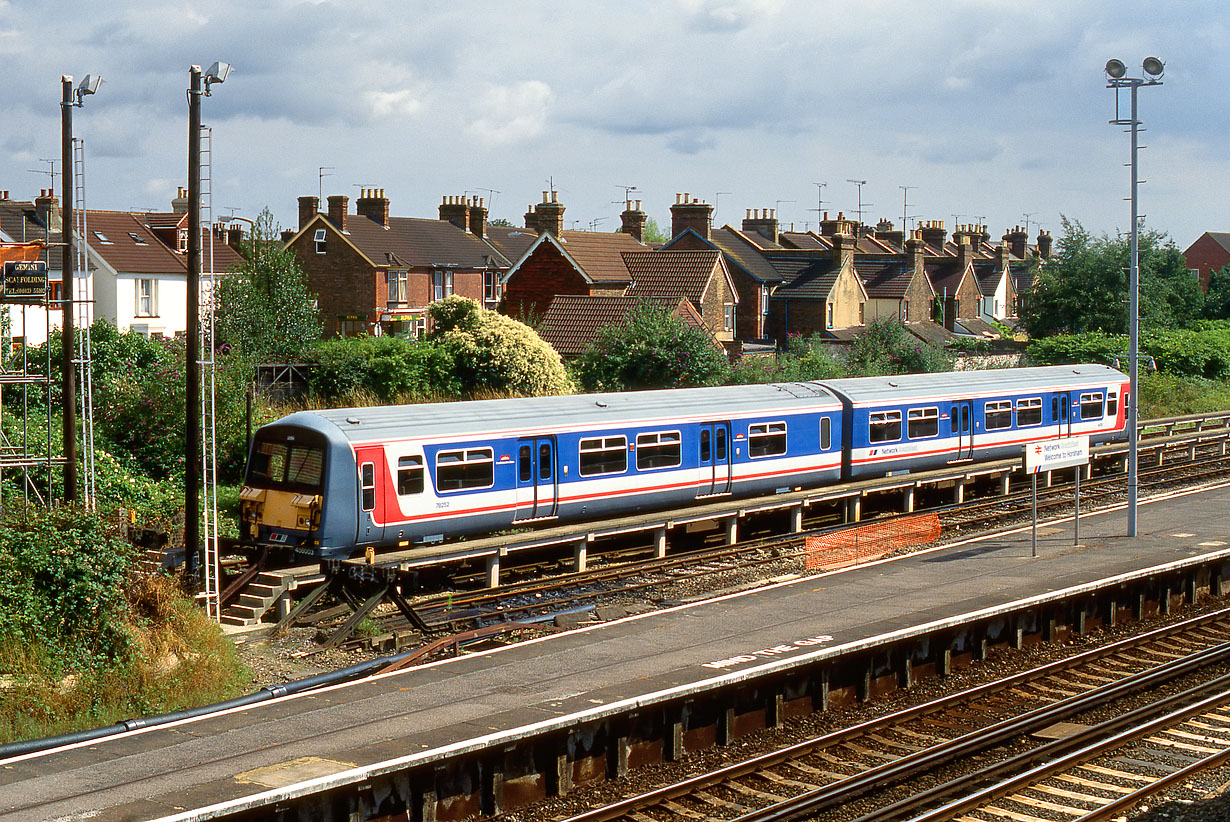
x=885, y=347
x=653, y=232
x=492, y=352
x=652, y=349
x=1217, y=298
x=265, y=309
x=1084, y=287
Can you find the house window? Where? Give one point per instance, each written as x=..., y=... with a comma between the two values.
x=659, y=450
x=1091, y=406
x=1029, y=412
x=350, y=326
x=728, y=317
x=102, y=238
x=182, y=239
x=884, y=426
x=829, y=315
x=441, y=285
x=465, y=470
x=147, y=298
x=905, y=310
x=766, y=439
x=319, y=239
x=603, y=455
x=410, y=475
x=398, y=288
x=862, y=313
x=136, y=238
x=998, y=414
x=923, y=422
x=491, y=288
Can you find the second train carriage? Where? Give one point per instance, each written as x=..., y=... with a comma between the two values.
x=330, y=483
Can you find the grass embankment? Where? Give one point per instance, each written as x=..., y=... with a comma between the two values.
x=1166, y=395
x=86, y=639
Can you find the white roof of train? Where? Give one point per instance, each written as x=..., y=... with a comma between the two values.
x=971, y=384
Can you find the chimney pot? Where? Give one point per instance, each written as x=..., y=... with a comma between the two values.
x=638, y=205
x=544, y=196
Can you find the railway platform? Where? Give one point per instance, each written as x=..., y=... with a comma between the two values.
x=316, y=752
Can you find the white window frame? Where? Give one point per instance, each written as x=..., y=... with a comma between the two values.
x=883, y=420
x=398, y=287
x=441, y=284
x=1090, y=399
x=149, y=299
x=465, y=458
x=601, y=445
x=321, y=241
x=728, y=317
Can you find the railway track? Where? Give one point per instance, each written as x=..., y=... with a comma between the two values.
x=1084, y=737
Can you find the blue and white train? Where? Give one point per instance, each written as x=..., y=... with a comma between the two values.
x=332, y=483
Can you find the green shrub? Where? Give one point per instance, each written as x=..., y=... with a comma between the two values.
x=388, y=368
x=1063, y=349
x=885, y=347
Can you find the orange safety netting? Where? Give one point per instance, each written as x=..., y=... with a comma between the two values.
x=867, y=542
x=20, y=252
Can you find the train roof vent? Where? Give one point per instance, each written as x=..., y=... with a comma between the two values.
x=802, y=390
x=353, y=420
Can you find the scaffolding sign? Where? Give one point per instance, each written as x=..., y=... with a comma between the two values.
x=24, y=282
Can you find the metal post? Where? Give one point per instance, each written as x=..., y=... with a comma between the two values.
x=1134, y=334
x=1035, y=517
x=68, y=377
x=1076, y=519
x=192, y=457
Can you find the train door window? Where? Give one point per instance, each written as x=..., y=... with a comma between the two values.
x=998, y=414
x=525, y=467
x=367, y=484
x=719, y=442
x=1091, y=406
x=1055, y=408
x=544, y=461
x=1112, y=405
x=658, y=450
x=766, y=439
x=603, y=455
x=410, y=475
x=1029, y=412
x=826, y=433
x=465, y=470
x=922, y=423
x=884, y=426
x=706, y=446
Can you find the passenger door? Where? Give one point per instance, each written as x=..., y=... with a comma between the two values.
x=1062, y=407
x=537, y=478
x=963, y=427
x=371, y=503
x=715, y=468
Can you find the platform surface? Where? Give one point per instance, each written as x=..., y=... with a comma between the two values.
x=329, y=736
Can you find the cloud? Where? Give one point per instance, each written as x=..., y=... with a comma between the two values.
x=512, y=114
x=725, y=16
x=392, y=103
x=691, y=142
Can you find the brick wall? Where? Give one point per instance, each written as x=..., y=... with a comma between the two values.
x=342, y=280
x=713, y=305
x=1207, y=255
x=539, y=279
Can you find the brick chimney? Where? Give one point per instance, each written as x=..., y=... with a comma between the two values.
x=1001, y=256
x=688, y=212
x=633, y=220
x=549, y=214
x=915, y=250
x=965, y=248
x=234, y=236
x=287, y=234
x=478, y=217
x=933, y=233
x=531, y=219
x=1017, y=240
x=373, y=205
x=456, y=210
x=339, y=204
x=841, y=225
x=886, y=233
x=1044, y=244
x=180, y=204
x=762, y=222
x=4, y=195
x=843, y=248
x=48, y=207
x=309, y=207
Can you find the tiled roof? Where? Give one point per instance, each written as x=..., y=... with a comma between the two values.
x=883, y=279
x=945, y=275
x=788, y=268
x=600, y=254
x=799, y=239
x=977, y=328
x=419, y=243
x=128, y=245
x=930, y=332
x=988, y=274
x=225, y=257
x=754, y=238
x=510, y=241
x=814, y=282
x=671, y=273
x=735, y=245
x=15, y=225
x=571, y=322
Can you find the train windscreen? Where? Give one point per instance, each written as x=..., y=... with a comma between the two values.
x=287, y=466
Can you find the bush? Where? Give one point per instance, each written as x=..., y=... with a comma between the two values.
x=885, y=347
x=388, y=368
x=805, y=358
x=1064, y=349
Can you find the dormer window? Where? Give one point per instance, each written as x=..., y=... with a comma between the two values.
x=136, y=238
x=102, y=238
x=320, y=241
x=182, y=242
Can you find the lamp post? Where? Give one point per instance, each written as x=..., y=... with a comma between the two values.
x=198, y=85
x=68, y=388
x=1116, y=78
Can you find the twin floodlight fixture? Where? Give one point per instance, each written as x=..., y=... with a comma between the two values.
x=89, y=85
x=1153, y=67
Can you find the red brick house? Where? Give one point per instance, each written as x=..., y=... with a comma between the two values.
x=1208, y=255
x=701, y=277
x=574, y=263
x=375, y=273
x=572, y=322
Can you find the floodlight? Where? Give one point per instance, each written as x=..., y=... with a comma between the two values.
x=1115, y=69
x=89, y=85
x=218, y=72
x=1154, y=67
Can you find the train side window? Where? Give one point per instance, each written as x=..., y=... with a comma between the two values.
x=367, y=483
x=1091, y=406
x=766, y=439
x=465, y=470
x=1029, y=412
x=603, y=455
x=525, y=468
x=923, y=422
x=826, y=433
x=706, y=447
x=720, y=442
x=410, y=475
x=884, y=426
x=658, y=450
x=544, y=461
x=998, y=414
x=1055, y=408
x=1112, y=405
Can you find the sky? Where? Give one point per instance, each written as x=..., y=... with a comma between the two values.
x=987, y=111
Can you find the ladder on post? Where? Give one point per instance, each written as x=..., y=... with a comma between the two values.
x=83, y=315
x=209, y=451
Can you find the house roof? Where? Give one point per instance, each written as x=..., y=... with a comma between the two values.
x=672, y=273
x=413, y=242
x=883, y=279
x=946, y=275
x=600, y=254
x=510, y=241
x=745, y=253
x=814, y=282
x=930, y=332
x=572, y=322
x=988, y=274
x=1222, y=238
x=129, y=246
x=16, y=227
x=801, y=239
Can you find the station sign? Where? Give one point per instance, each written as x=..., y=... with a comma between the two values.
x=24, y=282
x=1050, y=455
